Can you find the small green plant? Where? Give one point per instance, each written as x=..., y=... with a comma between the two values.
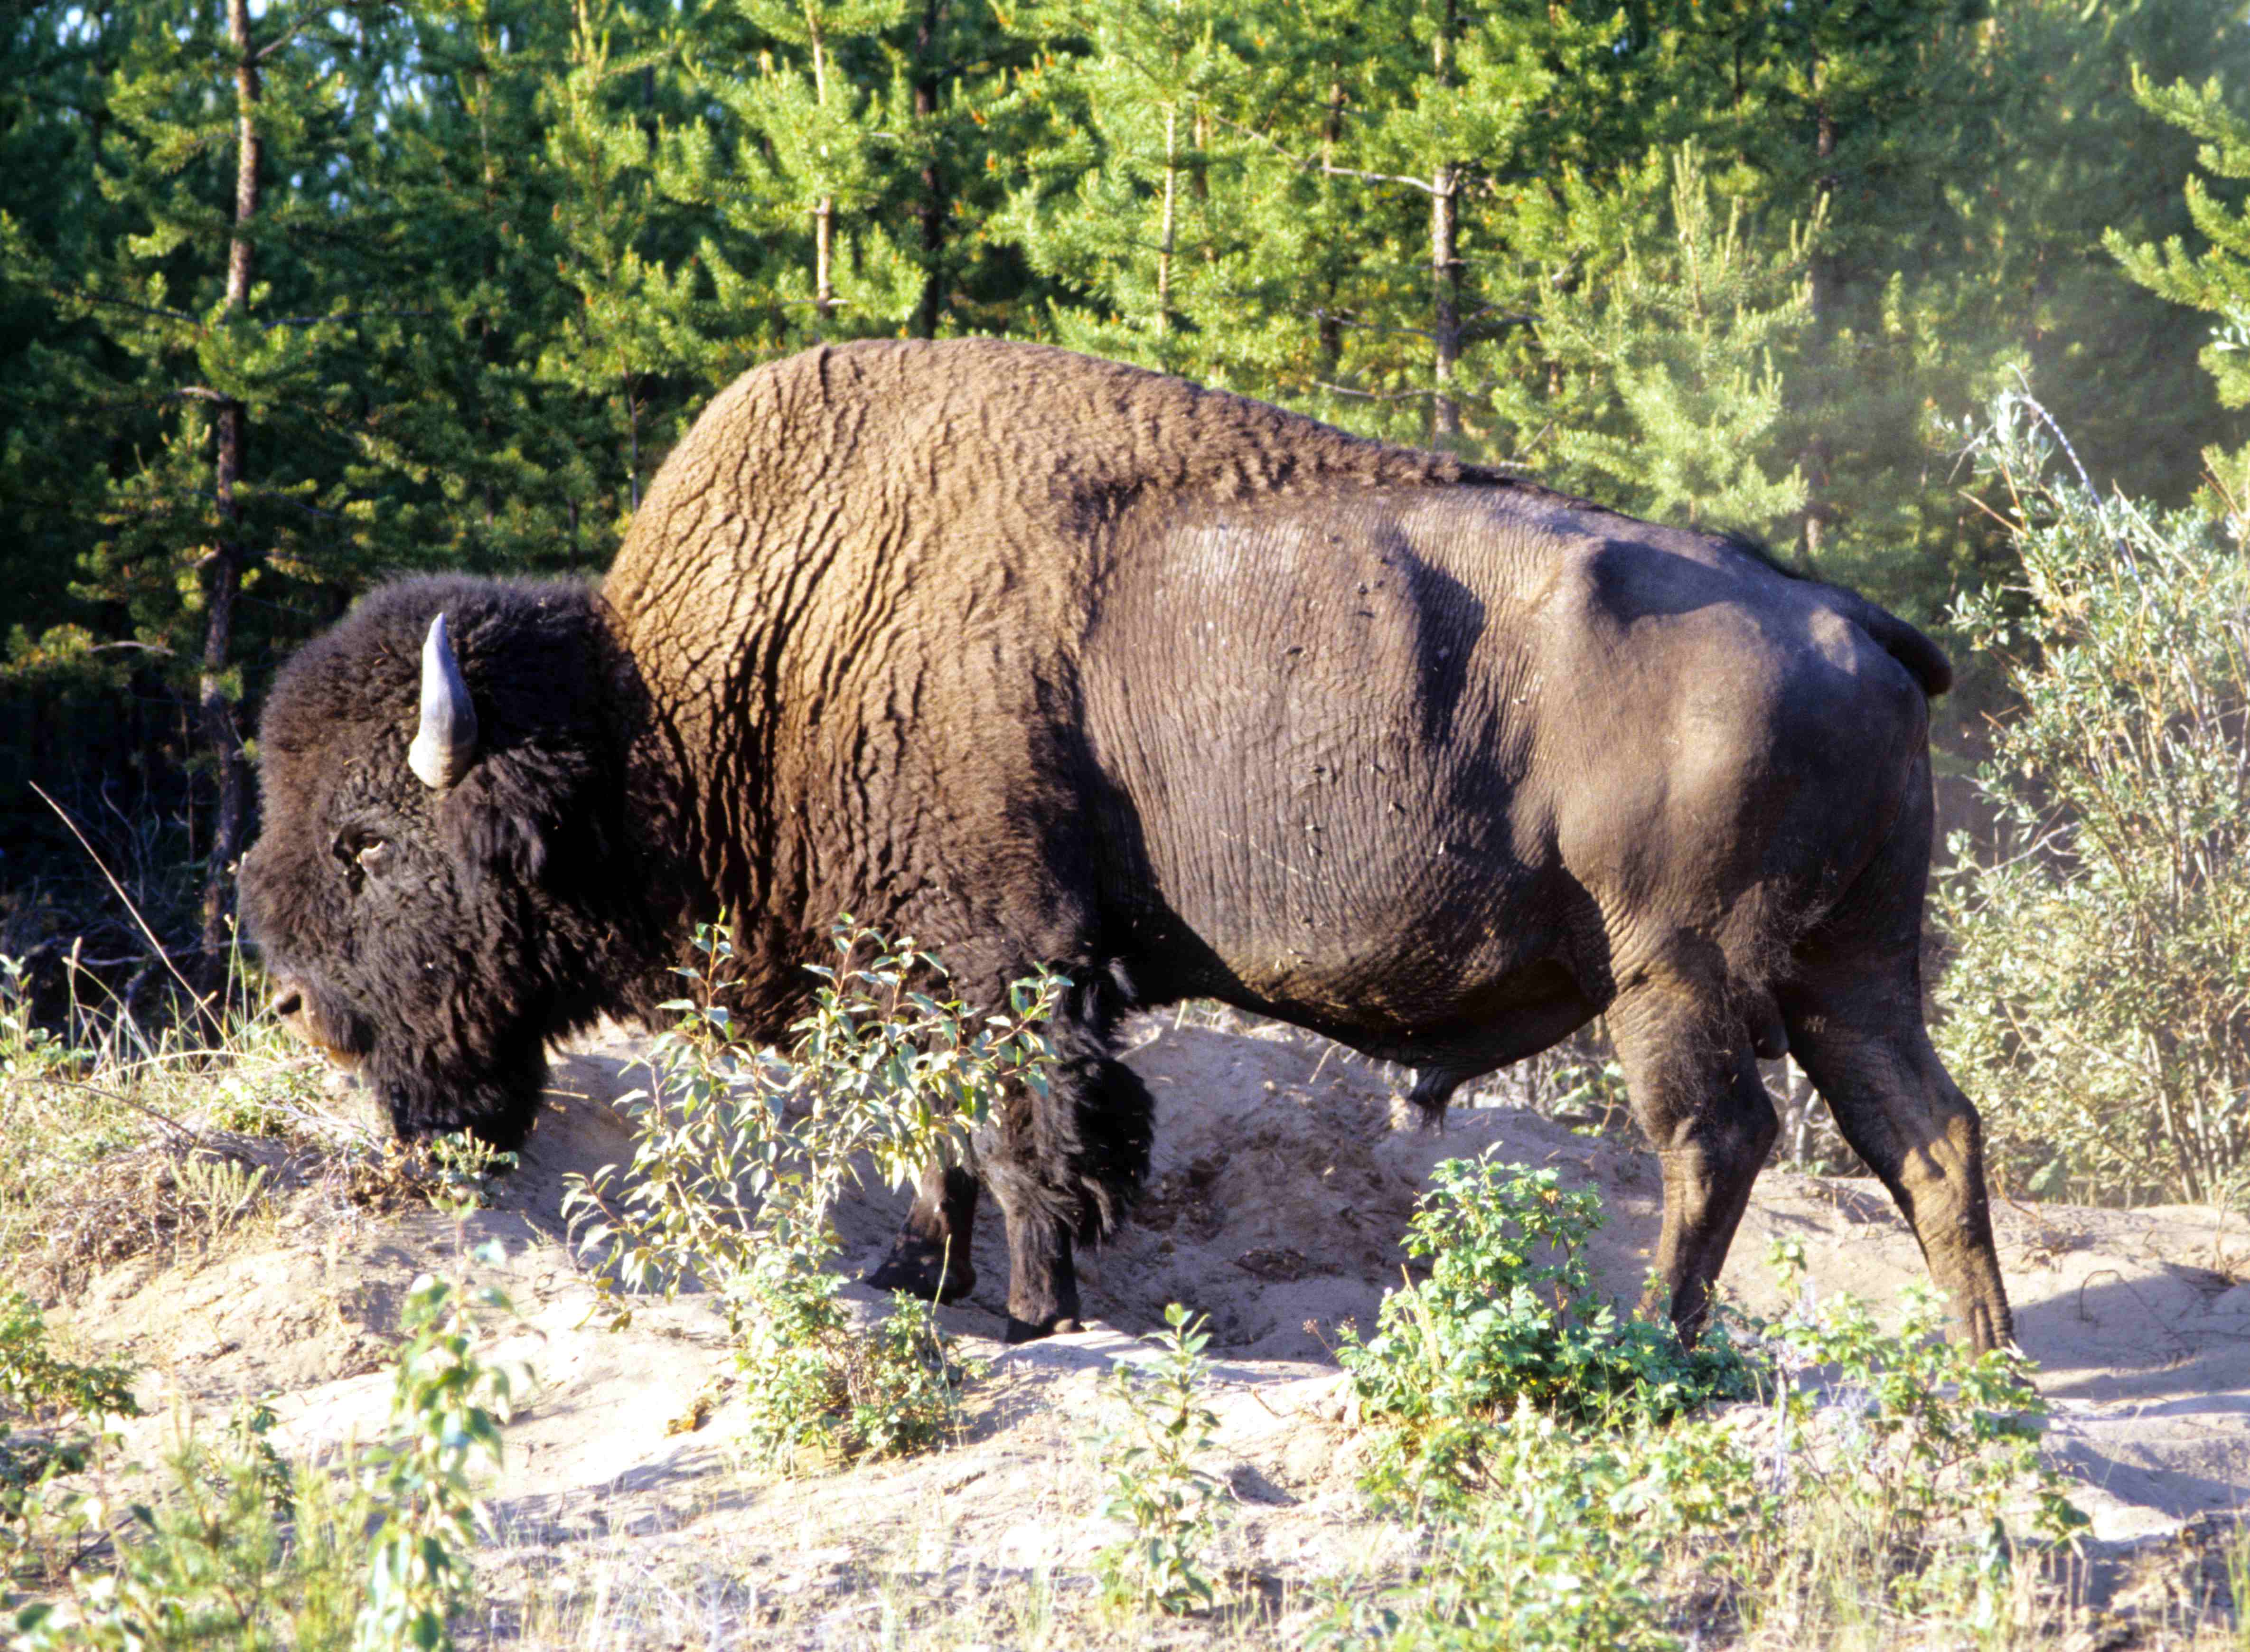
x=55, y=1413
x=1931, y=1436
x=446, y=1408
x=1567, y=1499
x=1509, y=1312
x=1565, y=1544
x=245, y=1550
x=1163, y=1424
x=216, y=1194
x=740, y=1157
x=817, y=1388
x=35, y=1383
x=28, y=1052
x=242, y=1552
x=464, y=1167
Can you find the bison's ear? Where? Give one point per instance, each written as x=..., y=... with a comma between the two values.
x=508, y=816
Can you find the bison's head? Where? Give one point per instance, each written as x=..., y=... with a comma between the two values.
x=441, y=782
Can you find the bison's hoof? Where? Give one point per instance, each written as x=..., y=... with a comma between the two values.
x=1026, y=1331
x=921, y=1271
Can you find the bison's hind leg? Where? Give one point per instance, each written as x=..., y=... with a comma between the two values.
x=1693, y=1076
x=1858, y=1033
x=1854, y=1004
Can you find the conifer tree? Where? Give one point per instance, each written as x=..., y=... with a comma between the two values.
x=1670, y=335
x=1131, y=201
x=636, y=342
x=2216, y=279
x=791, y=176
x=954, y=126
x=474, y=468
x=227, y=134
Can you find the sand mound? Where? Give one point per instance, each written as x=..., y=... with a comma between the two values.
x=1285, y=1171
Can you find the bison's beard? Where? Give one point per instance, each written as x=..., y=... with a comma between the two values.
x=429, y=1089
x=494, y=1096
x=494, y=1099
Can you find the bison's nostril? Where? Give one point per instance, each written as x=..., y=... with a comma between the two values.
x=288, y=1004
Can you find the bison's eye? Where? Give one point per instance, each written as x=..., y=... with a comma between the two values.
x=362, y=852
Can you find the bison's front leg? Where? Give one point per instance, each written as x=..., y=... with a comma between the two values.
x=930, y=1258
x=1064, y=1167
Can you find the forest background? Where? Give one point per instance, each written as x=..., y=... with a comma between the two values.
x=299, y=296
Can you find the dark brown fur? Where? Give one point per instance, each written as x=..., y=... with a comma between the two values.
x=1051, y=660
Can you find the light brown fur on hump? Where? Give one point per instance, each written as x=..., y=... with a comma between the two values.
x=869, y=554
x=1008, y=445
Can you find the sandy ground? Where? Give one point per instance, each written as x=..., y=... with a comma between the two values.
x=1285, y=1172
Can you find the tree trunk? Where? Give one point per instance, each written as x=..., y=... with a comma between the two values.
x=1164, y=246
x=824, y=212
x=1445, y=262
x=1331, y=329
x=1445, y=306
x=1822, y=280
x=931, y=211
x=222, y=565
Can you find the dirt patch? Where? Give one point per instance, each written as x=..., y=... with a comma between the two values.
x=1284, y=1176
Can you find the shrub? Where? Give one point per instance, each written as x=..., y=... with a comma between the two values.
x=246, y=1551
x=446, y=1407
x=1162, y=1425
x=817, y=1386
x=740, y=1157
x=242, y=1552
x=1565, y=1544
x=106, y=1137
x=52, y=1415
x=1567, y=1500
x=1510, y=1313
x=2113, y=1054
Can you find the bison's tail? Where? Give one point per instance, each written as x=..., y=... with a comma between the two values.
x=1905, y=645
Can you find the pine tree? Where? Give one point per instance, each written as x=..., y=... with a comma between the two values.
x=223, y=309
x=813, y=107
x=1130, y=200
x=2216, y=279
x=954, y=126
x=1671, y=330
x=637, y=343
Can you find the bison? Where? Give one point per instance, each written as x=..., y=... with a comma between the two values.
x=1049, y=661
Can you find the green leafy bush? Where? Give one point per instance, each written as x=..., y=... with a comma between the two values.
x=1162, y=1425
x=1942, y=1431
x=446, y=1407
x=740, y=1159
x=52, y=1414
x=1566, y=1542
x=2113, y=1056
x=1568, y=1499
x=817, y=1386
x=242, y=1552
x=1510, y=1313
x=244, y=1549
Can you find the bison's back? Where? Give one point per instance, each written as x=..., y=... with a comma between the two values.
x=1429, y=764
x=1045, y=657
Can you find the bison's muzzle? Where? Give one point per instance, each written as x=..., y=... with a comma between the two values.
x=337, y=1037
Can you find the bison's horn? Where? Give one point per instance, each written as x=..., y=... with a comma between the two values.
x=446, y=743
